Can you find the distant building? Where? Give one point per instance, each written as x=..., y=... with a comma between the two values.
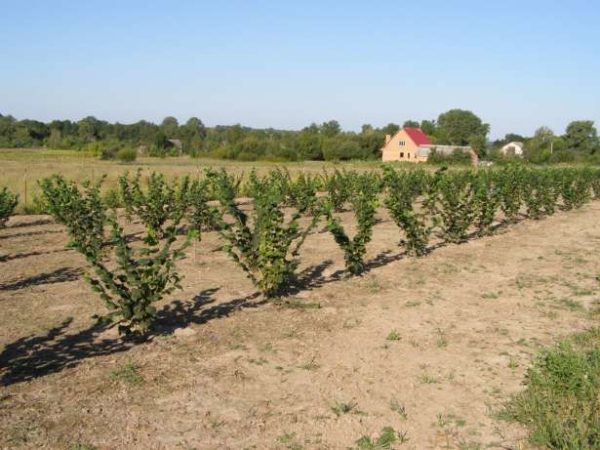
x=412, y=145
x=175, y=143
x=512, y=149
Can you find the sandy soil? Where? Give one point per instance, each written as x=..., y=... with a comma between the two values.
x=232, y=371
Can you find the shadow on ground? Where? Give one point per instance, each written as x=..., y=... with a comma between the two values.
x=29, y=233
x=33, y=223
x=61, y=275
x=32, y=357
x=15, y=256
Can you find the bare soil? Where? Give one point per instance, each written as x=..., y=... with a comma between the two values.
x=447, y=337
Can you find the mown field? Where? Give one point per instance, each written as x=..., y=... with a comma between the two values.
x=411, y=352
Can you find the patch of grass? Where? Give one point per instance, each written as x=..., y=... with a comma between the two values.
x=428, y=379
x=412, y=303
x=399, y=408
x=445, y=420
x=289, y=440
x=268, y=348
x=294, y=303
x=352, y=323
x=386, y=438
x=491, y=295
x=561, y=402
x=373, y=286
x=595, y=308
x=572, y=305
x=469, y=445
x=341, y=408
x=292, y=333
x=394, y=335
x=80, y=446
x=310, y=365
x=259, y=362
x=442, y=420
x=441, y=341
x=19, y=435
x=127, y=373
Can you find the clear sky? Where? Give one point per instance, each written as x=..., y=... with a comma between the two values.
x=284, y=64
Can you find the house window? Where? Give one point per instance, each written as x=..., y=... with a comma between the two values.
x=401, y=154
x=402, y=143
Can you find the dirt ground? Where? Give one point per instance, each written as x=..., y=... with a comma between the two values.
x=431, y=347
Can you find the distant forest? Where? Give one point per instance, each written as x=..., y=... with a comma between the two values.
x=325, y=141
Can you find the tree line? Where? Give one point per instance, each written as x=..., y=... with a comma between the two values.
x=325, y=141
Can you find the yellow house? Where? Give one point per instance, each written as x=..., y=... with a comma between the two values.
x=405, y=146
x=412, y=145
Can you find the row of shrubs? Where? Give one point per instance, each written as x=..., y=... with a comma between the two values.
x=265, y=240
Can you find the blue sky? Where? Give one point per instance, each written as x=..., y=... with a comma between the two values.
x=517, y=64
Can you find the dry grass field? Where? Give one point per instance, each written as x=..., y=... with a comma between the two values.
x=20, y=169
x=432, y=347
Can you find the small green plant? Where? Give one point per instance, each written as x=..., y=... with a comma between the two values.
x=451, y=204
x=202, y=216
x=394, y=335
x=428, y=379
x=509, y=183
x=127, y=373
x=267, y=246
x=289, y=440
x=442, y=340
x=575, y=187
x=338, y=187
x=310, y=365
x=399, y=408
x=8, y=203
x=129, y=279
x=364, y=204
x=158, y=203
x=384, y=441
x=491, y=295
x=486, y=202
x=302, y=194
x=136, y=278
x=81, y=446
x=81, y=210
x=341, y=408
x=403, y=190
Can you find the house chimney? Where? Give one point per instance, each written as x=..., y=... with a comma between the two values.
x=388, y=138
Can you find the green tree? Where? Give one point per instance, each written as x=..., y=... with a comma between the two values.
x=458, y=127
x=537, y=149
x=170, y=127
x=429, y=128
x=391, y=129
x=331, y=128
x=411, y=124
x=89, y=129
x=582, y=136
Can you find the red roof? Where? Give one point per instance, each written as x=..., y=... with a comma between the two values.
x=417, y=136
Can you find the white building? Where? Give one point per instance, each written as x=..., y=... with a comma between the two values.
x=512, y=149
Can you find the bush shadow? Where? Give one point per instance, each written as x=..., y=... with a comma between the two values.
x=61, y=275
x=33, y=357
